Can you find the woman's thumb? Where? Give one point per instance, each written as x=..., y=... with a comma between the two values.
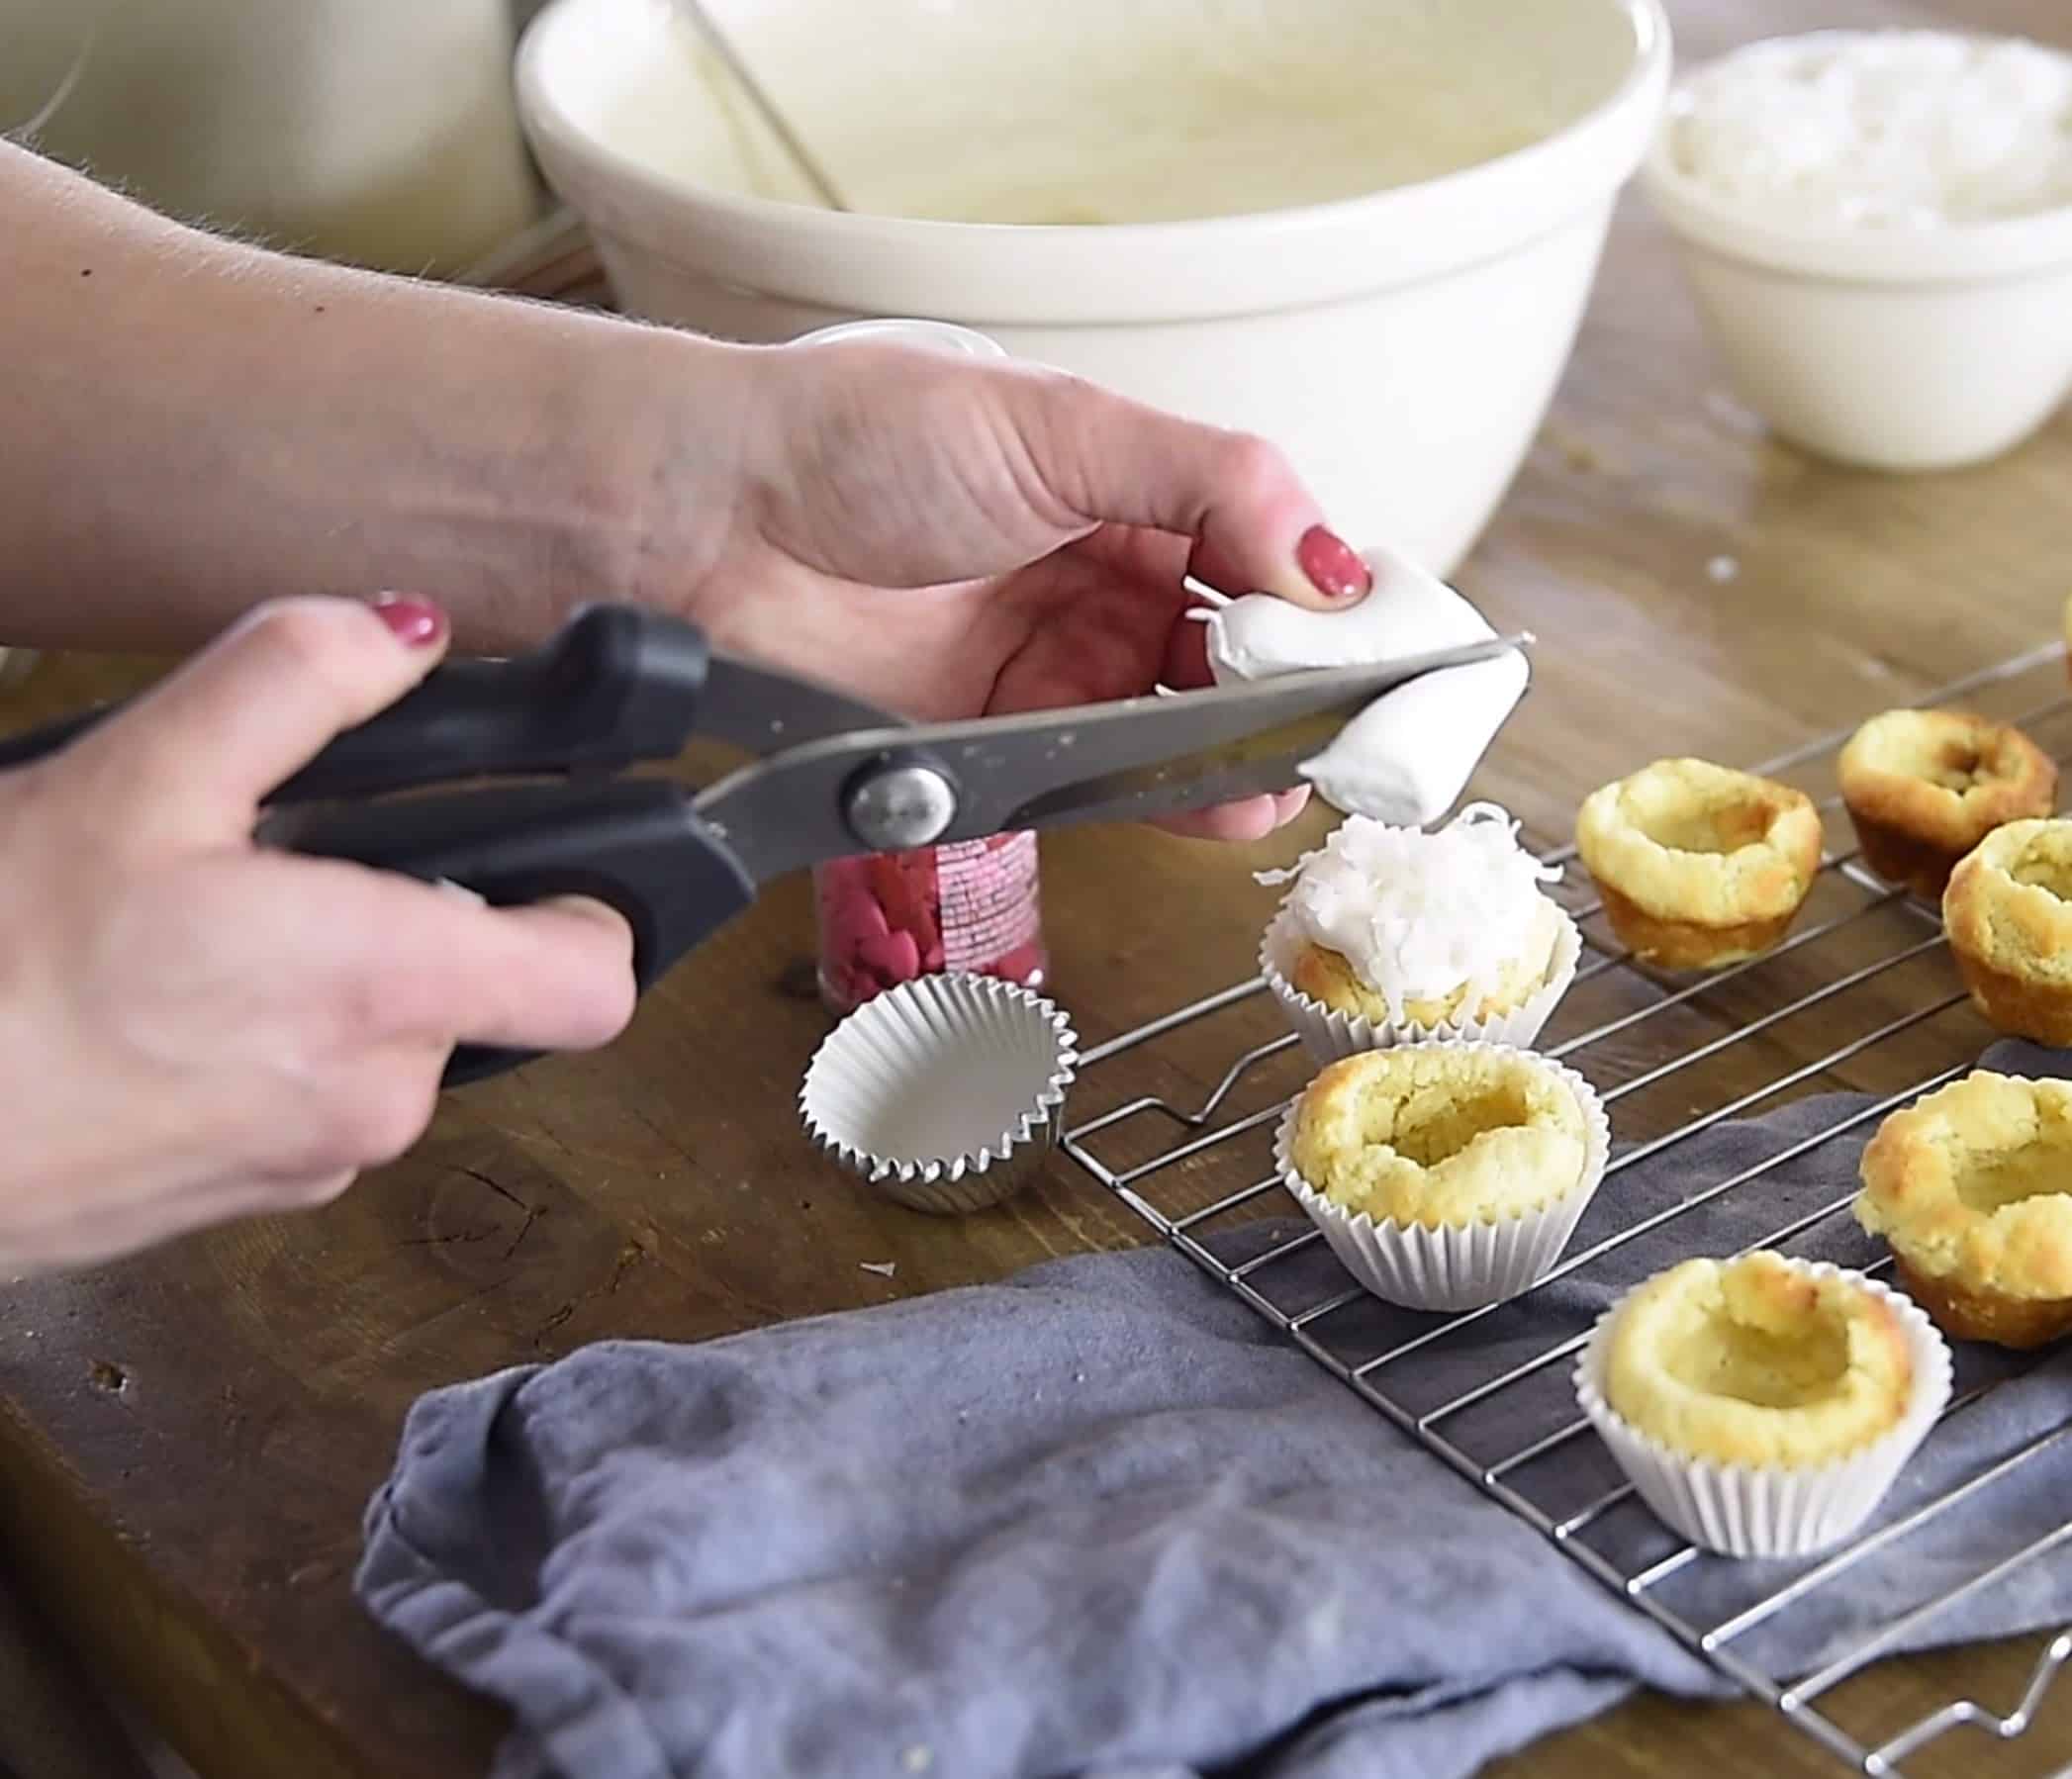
x=263, y=699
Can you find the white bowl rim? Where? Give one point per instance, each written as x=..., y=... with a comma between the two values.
x=1254, y=253
x=1955, y=253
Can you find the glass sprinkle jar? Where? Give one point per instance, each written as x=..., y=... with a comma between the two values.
x=969, y=905
x=885, y=918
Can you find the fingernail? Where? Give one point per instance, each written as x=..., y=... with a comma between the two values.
x=417, y=622
x=1333, y=565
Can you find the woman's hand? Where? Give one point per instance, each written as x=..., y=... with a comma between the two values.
x=194, y=1029
x=945, y=535
x=948, y=536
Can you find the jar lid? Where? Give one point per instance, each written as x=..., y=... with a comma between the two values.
x=898, y=331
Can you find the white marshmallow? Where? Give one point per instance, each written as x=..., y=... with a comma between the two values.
x=1408, y=756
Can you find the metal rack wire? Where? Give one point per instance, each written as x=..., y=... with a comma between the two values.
x=1861, y=996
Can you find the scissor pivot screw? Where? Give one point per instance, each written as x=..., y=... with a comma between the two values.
x=896, y=807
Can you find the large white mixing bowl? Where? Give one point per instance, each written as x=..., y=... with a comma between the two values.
x=1363, y=229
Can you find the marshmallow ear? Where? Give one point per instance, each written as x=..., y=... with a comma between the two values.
x=1407, y=759
x=1409, y=613
x=1408, y=756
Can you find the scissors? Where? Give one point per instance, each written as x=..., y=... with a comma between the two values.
x=622, y=687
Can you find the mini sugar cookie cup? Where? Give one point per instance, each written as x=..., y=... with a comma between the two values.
x=1771, y=1510
x=1455, y=1267
x=1328, y=1034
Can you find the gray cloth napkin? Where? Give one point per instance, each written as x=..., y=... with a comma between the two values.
x=1103, y=1521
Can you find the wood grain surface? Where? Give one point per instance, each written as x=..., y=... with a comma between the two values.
x=187, y=1440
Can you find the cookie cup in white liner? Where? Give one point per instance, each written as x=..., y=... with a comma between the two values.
x=1772, y=1510
x=1456, y=1266
x=945, y=1093
x=1327, y=1034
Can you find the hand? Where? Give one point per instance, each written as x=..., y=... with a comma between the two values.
x=194, y=1029
x=948, y=536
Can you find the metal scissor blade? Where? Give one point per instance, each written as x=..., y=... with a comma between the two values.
x=765, y=711
x=1151, y=757
x=1126, y=760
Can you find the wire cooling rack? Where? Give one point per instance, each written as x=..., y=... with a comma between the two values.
x=1862, y=996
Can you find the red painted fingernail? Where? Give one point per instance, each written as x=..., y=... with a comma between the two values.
x=417, y=622
x=1333, y=565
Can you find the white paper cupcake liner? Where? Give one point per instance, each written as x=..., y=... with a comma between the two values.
x=1454, y=1267
x=1328, y=1034
x=1772, y=1511
x=945, y=1092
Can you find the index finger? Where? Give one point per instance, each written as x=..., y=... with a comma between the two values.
x=1253, y=524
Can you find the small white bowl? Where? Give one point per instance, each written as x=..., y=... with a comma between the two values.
x=1455, y=1267
x=1751, y=1510
x=1400, y=345
x=945, y=1092
x=1899, y=350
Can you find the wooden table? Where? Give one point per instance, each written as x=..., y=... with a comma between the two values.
x=187, y=1440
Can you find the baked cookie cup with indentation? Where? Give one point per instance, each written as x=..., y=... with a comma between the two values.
x=1762, y=1406
x=1394, y=935
x=2008, y=912
x=1445, y=1175
x=1923, y=788
x=1971, y=1188
x=1699, y=865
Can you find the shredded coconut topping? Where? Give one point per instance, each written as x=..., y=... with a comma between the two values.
x=1882, y=129
x=1421, y=915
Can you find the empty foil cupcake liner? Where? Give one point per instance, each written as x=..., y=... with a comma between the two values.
x=1328, y=1034
x=1464, y=1266
x=1770, y=1511
x=945, y=1092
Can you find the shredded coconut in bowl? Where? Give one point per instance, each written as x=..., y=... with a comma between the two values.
x=1419, y=916
x=1881, y=128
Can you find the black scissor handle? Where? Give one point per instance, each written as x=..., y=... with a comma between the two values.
x=637, y=845
x=615, y=687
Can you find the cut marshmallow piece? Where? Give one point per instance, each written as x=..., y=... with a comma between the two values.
x=1408, y=756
